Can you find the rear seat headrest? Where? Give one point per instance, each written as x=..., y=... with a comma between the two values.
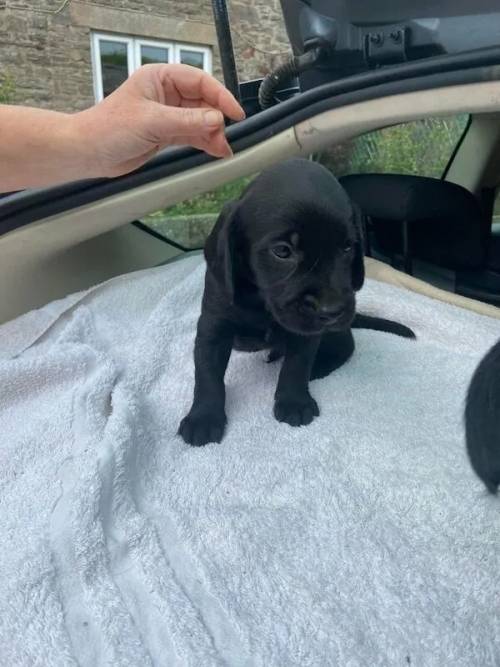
x=445, y=222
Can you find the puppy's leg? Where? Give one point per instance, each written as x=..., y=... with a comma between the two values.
x=293, y=403
x=334, y=350
x=482, y=420
x=276, y=340
x=206, y=420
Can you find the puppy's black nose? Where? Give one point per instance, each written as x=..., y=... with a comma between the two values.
x=326, y=312
x=330, y=313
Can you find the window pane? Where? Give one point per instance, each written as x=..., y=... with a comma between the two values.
x=114, y=64
x=193, y=58
x=153, y=54
x=421, y=148
x=190, y=222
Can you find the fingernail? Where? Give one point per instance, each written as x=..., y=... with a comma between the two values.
x=213, y=118
x=226, y=155
x=228, y=152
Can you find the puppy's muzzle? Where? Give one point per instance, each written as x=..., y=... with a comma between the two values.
x=326, y=312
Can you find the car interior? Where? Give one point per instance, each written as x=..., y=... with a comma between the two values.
x=359, y=538
x=434, y=222
x=410, y=217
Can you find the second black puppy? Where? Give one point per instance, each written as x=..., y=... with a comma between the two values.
x=283, y=265
x=482, y=420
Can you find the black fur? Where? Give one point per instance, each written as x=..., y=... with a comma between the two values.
x=283, y=265
x=482, y=420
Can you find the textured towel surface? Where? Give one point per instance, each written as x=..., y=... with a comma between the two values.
x=362, y=539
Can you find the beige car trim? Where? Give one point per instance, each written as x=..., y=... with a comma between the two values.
x=31, y=267
x=337, y=125
x=386, y=274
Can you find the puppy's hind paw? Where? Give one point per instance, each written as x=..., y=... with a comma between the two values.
x=199, y=429
x=296, y=410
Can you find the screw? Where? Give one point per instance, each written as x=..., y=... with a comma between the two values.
x=376, y=38
x=396, y=36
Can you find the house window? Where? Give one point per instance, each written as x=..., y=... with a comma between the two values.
x=115, y=57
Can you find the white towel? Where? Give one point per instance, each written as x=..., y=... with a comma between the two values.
x=362, y=539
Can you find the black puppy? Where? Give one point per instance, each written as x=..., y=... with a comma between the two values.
x=482, y=420
x=283, y=264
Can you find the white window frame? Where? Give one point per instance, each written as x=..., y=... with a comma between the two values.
x=139, y=42
x=197, y=49
x=97, y=37
x=134, y=54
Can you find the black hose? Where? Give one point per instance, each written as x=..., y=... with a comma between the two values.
x=226, y=51
x=283, y=74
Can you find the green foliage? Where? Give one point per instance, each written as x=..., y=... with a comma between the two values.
x=7, y=89
x=210, y=202
x=190, y=221
x=421, y=147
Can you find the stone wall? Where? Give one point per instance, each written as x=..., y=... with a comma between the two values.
x=45, y=44
x=259, y=36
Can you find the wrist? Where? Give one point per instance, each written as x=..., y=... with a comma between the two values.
x=81, y=135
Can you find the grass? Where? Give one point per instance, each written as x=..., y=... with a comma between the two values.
x=210, y=202
x=190, y=221
x=7, y=89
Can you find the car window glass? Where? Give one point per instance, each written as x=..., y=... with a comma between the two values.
x=421, y=148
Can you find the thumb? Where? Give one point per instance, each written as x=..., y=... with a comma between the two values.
x=181, y=121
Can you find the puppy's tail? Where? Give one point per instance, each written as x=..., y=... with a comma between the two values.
x=379, y=324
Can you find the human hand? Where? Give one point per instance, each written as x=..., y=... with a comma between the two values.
x=158, y=106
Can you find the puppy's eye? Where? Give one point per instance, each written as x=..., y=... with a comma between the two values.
x=347, y=247
x=282, y=250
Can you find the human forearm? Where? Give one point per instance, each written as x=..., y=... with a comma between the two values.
x=158, y=106
x=40, y=147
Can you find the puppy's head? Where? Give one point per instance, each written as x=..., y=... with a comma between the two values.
x=296, y=237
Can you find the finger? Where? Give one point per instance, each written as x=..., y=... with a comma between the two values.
x=194, y=103
x=193, y=83
x=165, y=122
x=217, y=146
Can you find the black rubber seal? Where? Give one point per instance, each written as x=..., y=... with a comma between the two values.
x=458, y=146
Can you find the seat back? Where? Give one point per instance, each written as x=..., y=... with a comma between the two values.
x=432, y=220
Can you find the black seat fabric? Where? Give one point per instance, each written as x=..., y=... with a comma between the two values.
x=494, y=248
x=444, y=222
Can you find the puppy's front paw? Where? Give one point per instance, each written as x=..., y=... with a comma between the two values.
x=199, y=428
x=296, y=410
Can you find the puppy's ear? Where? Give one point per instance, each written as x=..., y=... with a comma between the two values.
x=220, y=248
x=358, y=264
